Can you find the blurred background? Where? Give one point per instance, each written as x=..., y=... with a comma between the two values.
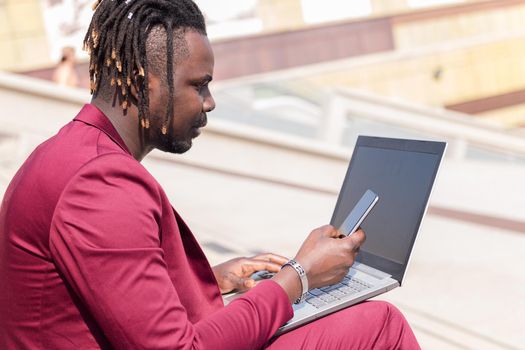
x=295, y=82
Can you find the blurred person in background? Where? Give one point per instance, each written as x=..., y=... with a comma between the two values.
x=93, y=255
x=65, y=73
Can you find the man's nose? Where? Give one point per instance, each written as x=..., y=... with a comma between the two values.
x=209, y=104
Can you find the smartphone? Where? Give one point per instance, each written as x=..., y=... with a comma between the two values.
x=359, y=213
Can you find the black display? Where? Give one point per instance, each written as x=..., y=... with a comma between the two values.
x=402, y=173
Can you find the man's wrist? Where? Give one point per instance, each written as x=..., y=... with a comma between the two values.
x=301, y=272
x=288, y=279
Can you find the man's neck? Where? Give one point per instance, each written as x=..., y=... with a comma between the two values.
x=126, y=126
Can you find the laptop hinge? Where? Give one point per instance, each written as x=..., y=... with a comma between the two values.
x=370, y=270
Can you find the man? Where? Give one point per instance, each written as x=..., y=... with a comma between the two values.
x=65, y=73
x=92, y=254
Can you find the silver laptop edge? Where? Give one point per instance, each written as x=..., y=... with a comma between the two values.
x=425, y=211
x=305, y=313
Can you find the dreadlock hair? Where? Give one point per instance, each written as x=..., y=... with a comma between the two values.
x=117, y=43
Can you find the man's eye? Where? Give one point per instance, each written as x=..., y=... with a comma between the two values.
x=201, y=86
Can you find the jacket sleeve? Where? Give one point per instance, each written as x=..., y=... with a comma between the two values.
x=105, y=241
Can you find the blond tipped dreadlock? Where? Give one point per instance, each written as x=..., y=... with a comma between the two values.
x=116, y=42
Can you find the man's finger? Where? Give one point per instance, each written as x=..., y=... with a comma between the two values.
x=258, y=265
x=357, y=238
x=249, y=283
x=278, y=259
x=330, y=231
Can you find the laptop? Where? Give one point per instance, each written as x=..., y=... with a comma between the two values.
x=402, y=172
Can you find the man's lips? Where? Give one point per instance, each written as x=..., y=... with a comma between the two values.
x=201, y=123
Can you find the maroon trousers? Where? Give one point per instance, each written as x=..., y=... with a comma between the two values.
x=370, y=325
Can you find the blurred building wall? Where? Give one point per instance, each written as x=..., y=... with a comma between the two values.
x=470, y=59
x=450, y=24
x=23, y=40
x=444, y=78
x=24, y=43
x=464, y=55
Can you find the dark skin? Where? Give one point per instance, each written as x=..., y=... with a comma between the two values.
x=325, y=255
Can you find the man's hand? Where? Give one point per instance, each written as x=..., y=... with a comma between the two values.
x=326, y=255
x=235, y=274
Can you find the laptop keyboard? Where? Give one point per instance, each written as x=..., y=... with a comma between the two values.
x=320, y=297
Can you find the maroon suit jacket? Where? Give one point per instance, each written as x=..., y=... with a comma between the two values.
x=92, y=255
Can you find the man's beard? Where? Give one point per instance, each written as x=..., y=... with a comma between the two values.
x=179, y=147
x=171, y=145
x=168, y=143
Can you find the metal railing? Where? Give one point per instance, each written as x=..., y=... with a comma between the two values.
x=336, y=116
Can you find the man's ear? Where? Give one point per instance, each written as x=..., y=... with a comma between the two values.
x=154, y=91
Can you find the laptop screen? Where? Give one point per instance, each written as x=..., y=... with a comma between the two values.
x=402, y=173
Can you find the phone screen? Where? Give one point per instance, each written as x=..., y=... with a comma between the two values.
x=359, y=213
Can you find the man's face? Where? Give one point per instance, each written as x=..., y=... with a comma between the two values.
x=191, y=100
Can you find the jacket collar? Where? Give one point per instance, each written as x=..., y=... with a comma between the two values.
x=91, y=115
